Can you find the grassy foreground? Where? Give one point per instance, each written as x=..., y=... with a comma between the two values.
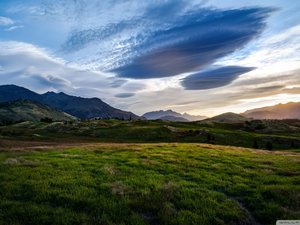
x=148, y=184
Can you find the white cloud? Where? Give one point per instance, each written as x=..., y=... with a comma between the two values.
x=273, y=54
x=5, y=21
x=35, y=68
x=25, y=64
x=14, y=28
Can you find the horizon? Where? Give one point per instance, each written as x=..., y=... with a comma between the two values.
x=197, y=57
x=162, y=110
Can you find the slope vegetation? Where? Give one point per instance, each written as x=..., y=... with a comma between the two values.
x=26, y=110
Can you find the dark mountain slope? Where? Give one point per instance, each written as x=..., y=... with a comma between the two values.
x=84, y=108
x=12, y=92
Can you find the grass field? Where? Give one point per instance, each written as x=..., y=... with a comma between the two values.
x=173, y=183
x=281, y=135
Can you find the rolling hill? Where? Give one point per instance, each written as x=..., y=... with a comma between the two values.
x=83, y=108
x=227, y=118
x=281, y=111
x=27, y=110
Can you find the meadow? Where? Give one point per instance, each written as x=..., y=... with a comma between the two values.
x=259, y=134
x=154, y=183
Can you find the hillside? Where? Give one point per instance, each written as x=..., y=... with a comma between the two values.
x=227, y=118
x=26, y=110
x=172, y=115
x=281, y=111
x=282, y=134
x=83, y=108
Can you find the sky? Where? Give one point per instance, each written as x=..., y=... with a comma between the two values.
x=202, y=57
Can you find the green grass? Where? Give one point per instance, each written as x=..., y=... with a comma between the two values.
x=148, y=184
x=151, y=131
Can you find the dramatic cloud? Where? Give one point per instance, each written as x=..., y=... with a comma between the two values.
x=51, y=81
x=213, y=78
x=110, y=49
x=124, y=95
x=116, y=83
x=144, y=19
x=26, y=65
x=195, y=40
x=31, y=67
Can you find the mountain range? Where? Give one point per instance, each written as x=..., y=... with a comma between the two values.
x=83, y=108
x=171, y=116
x=289, y=110
x=87, y=108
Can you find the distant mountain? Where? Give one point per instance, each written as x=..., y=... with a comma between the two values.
x=27, y=110
x=83, y=108
x=174, y=118
x=192, y=117
x=227, y=118
x=163, y=114
x=281, y=111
